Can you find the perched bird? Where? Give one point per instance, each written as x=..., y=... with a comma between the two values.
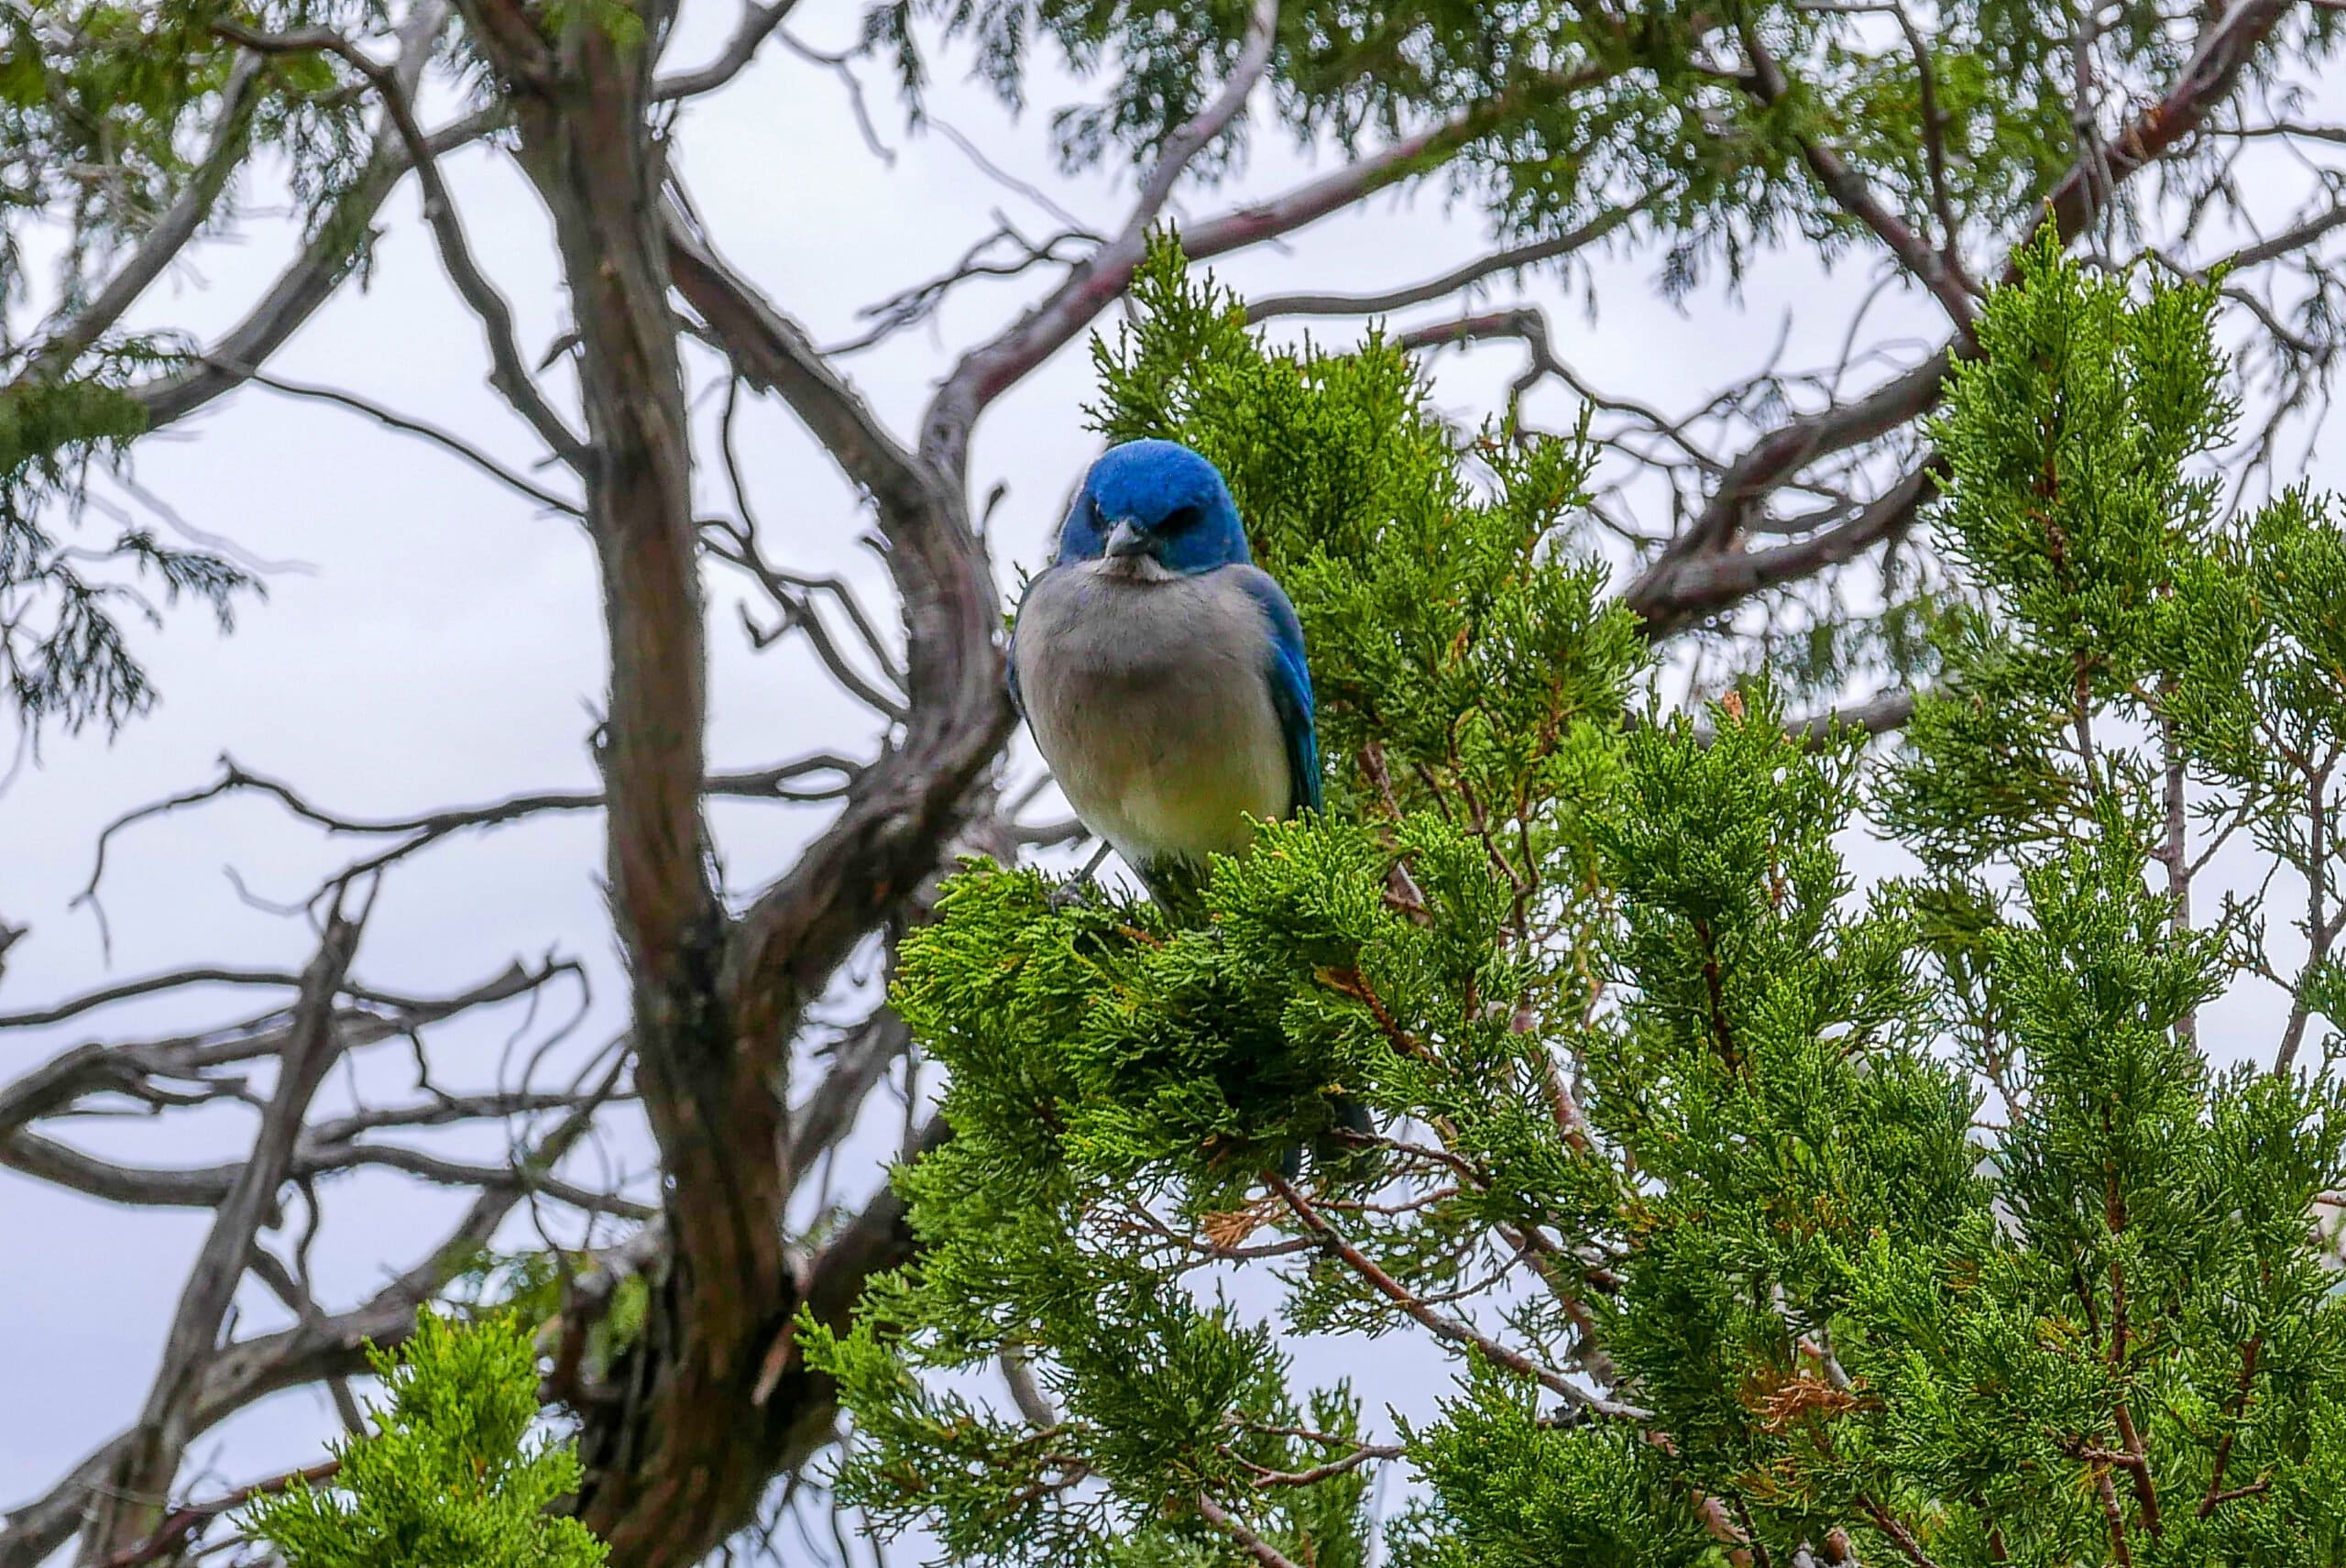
x=1162, y=672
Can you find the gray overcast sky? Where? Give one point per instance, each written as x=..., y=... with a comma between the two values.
x=442, y=643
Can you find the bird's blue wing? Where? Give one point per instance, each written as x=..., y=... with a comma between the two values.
x=1017, y=703
x=1290, y=677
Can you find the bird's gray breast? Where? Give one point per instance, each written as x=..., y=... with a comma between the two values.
x=1151, y=701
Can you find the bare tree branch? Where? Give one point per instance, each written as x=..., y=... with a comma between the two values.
x=147, y=986
x=150, y=1073
x=772, y=353
x=186, y=1522
x=1765, y=81
x=1877, y=716
x=2289, y=241
x=2215, y=67
x=325, y=260
x=430, y=433
x=984, y=373
x=1513, y=258
x=757, y=23
x=128, y=1508
x=511, y=373
x=1701, y=585
x=209, y=1186
x=781, y=782
x=245, y=1371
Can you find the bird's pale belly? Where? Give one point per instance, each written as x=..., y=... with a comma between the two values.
x=1151, y=705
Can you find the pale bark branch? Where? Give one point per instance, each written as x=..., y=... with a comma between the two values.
x=757, y=24
x=1254, y=1545
x=169, y=234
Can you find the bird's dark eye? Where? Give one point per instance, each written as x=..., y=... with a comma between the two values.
x=1180, y=517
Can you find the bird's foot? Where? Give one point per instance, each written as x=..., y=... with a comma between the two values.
x=1075, y=893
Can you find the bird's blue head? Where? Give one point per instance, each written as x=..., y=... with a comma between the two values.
x=1155, y=501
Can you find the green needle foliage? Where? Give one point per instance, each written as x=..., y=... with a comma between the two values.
x=1578, y=110
x=449, y=1479
x=110, y=116
x=64, y=653
x=1761, y=1213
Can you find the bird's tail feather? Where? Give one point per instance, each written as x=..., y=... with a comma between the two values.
x=1177, y=887
x=1335, y=1156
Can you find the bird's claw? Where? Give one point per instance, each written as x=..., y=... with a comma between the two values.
x=1076, y=895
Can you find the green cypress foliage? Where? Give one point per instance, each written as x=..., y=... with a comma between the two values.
x=1759, y=1214
x=65, y=655
x=109, y=115
x=450, y=1477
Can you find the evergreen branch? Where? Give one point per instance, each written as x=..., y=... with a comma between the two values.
x=1934, y=127
x=2115, y=1516
x=1441, y=1325
x=2216, y=1494
x=1254, y=1545
x=1900, y=1536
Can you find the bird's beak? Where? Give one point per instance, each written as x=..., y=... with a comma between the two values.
x=1126, y=540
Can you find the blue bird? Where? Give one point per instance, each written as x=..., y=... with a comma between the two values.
x=1162, y=672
